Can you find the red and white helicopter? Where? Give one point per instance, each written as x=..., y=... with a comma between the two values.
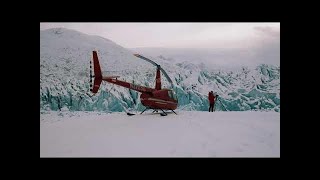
x=152, y=98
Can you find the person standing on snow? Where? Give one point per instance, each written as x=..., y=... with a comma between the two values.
x=211, y=98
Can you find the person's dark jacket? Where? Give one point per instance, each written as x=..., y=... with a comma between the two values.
x=211, y=98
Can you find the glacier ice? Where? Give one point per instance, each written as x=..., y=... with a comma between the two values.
x=64, y=78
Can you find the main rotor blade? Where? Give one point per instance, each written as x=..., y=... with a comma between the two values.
x=166, y=75
x=157, y=65
x=144, y=58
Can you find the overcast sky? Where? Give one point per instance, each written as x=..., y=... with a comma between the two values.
x=260, y=39
x=179, y=35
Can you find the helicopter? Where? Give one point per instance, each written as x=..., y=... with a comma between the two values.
x=152, y=98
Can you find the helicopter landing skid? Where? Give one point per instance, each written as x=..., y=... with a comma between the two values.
x=156, y=110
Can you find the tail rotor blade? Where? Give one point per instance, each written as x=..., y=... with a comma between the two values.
x=90, y=69
x=90, y=81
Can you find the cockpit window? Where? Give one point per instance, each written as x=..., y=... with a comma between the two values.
x=172, y=95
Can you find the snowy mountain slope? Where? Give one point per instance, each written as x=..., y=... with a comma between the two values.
x=188, y=134
x=219, y=57
x=64, y=78
x=64, y=70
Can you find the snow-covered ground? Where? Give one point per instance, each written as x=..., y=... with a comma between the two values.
x=188, y=134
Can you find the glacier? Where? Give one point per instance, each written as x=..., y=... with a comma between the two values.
x=64, y=78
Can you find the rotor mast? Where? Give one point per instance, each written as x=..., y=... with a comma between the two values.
x=158, y=78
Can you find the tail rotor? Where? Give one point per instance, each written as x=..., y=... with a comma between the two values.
x=97, y=77
x=90, y=81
